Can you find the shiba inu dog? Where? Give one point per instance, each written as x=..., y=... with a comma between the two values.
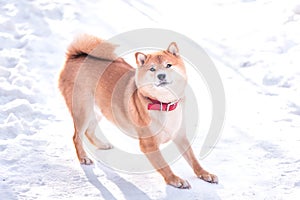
x=146, y=101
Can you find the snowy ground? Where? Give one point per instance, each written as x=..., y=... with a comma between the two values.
x=255, y=46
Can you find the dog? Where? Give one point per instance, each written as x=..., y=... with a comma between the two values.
x=147, y=100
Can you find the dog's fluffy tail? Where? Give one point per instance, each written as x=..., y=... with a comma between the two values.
x=85, y=45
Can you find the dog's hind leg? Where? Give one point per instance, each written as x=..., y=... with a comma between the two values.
x=90, y=134
x=81, y=124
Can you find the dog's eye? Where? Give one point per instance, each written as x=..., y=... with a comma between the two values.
x=169, y=65
x=152, y=69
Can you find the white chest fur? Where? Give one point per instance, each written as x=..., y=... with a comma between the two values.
x=166, y=124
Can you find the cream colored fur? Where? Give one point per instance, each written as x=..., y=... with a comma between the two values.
x=94, y=76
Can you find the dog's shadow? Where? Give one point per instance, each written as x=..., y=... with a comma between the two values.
x=129, y=190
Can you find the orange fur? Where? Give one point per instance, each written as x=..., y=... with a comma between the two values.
x=94, y=76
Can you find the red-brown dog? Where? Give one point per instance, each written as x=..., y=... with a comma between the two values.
x=147, y=94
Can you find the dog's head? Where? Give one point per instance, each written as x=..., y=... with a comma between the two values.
x=161, y=75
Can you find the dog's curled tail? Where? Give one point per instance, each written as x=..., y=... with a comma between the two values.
x=88, y=45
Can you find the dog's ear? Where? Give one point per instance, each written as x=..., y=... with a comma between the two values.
x=140, y=58
x=173, y=49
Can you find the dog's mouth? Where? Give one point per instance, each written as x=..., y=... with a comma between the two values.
x=163, y=83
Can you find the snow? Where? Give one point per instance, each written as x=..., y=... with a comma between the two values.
x=255, y=45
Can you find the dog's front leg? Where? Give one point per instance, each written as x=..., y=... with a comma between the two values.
x=186, y=150
x=150, y=148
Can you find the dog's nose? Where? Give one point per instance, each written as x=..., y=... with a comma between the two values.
x=161, y=76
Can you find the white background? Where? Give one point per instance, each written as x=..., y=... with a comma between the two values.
x=255, y=46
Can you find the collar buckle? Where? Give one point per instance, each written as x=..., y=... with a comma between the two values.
x=171, y=104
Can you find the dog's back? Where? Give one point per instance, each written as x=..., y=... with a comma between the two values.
x=86, y=54
x=91, y=73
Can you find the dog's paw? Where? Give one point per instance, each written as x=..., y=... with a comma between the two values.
x=85, y=161
x=105, y=146
x=208, y=177
x=178, y=182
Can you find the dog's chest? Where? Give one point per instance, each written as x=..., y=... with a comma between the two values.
x=166, y=124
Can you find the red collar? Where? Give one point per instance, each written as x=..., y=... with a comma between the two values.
x=157, y=105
